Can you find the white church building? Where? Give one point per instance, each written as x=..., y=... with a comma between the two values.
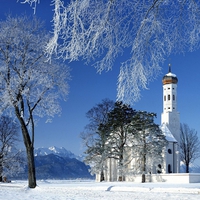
x=170, y=125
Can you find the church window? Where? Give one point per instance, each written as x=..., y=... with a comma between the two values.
x=169, y=151
x=168, y=108
x=164, y=98
x=169, y=169
x=173, y=97
x=168, y=97
x=168, y=88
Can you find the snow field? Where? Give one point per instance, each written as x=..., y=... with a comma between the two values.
x=90, y=190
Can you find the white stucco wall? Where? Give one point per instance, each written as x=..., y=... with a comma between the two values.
x=168, y=178
x=176, y=178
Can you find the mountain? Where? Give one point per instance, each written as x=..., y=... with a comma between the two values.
x=56, y=167
x=56, y=151
x=57, y=163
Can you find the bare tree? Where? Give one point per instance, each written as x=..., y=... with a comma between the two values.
x=10, y=157
x=95, y=137
x=102, y=30
x=30, y=87
x=189, y=146
x=8, y=139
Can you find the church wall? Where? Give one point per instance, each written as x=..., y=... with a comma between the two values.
x=114, y=172
x=172, y=159
x=169, y=98
x=176, y=178
x=181, y=178
x=110, y=172
x=174, y=124
x=169, y=164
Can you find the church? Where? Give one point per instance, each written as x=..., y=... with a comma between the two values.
x=170, y=126
x=170, y=123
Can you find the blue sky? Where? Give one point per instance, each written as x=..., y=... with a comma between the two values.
x=88, y=88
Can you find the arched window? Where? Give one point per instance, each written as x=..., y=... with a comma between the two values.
x=169, y=151
x=168, y=97
x=169, y=169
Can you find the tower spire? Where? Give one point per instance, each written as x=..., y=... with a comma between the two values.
x=170, y=68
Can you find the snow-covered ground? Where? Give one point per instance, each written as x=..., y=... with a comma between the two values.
x=90, y=190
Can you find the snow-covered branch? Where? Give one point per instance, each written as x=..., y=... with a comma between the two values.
x=147, y=32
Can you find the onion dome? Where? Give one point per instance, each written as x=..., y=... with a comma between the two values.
x=169, y=77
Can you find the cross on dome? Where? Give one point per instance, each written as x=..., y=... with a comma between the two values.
x=169, y=68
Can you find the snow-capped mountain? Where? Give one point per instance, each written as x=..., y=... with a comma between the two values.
x=62, y=152
x=57, y=163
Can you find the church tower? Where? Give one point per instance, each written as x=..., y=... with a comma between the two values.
x=170, y=122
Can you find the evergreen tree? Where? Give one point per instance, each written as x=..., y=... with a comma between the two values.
x=148, y=144
x=118, y=125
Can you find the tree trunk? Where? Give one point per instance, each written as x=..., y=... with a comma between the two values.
x=187, y=168
x=31, y=168
x=29, y=149
x=144, y=169
x=121, y=172
x=143, y=178
x=1, y=167
x=144, y=162
x=102, y=176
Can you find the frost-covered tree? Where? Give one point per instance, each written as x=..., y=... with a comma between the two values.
x=119, y=125
x=30, y=87
x=124, y=135
x=189, y=146
x=95, y=137
x=149, y=143
x=10, y=157
x=102, y=30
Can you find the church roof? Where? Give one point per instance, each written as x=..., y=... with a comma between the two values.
x=167, y=133
x=169, y=77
